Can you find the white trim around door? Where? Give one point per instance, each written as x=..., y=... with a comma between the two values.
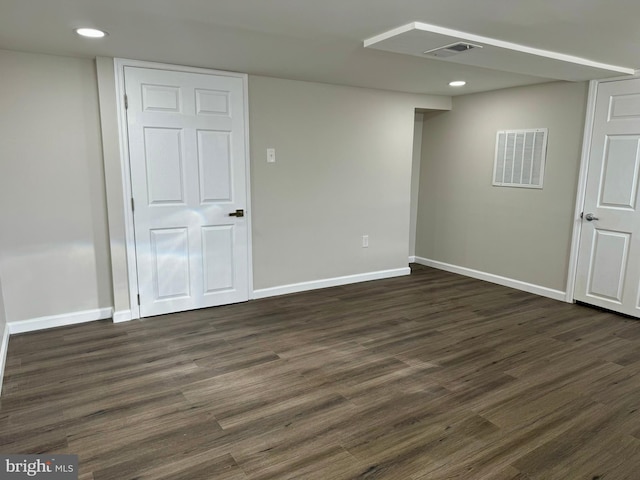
x=119, y=65
x=582, y=185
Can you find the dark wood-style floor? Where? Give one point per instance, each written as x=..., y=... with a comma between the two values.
x=431, y=376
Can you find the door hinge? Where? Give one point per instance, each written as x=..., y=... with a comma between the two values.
x=138, y=299
x=133, y=206
x=126, y=102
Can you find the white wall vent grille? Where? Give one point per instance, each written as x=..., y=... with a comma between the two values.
x=520, y=158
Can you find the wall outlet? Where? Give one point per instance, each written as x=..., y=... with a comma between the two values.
x=365, y=241
x=271, y=155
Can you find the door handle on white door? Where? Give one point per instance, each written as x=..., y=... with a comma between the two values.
x=590, y=218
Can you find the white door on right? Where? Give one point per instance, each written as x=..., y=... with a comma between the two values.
x=608, y=273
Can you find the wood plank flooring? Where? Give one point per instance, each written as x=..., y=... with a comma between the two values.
x=426, y=377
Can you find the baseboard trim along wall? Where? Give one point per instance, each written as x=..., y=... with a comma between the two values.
x=122, y=316
x=490, y=277
x=4, y=346
x=329, y=282
x=51, y=321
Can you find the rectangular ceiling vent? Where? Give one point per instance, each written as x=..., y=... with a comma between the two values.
x=451, y=50
x=520, y=158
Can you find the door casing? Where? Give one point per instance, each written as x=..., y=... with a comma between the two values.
x=119, y=65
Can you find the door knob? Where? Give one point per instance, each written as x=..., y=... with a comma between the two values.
x=237, y=213
x=590, y=218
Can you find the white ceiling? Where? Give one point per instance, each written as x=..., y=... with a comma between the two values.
x=322, y=40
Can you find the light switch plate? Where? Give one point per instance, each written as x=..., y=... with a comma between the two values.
x=271, y=155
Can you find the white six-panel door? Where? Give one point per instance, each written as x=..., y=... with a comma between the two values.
x=608, y=273
x=187, y=155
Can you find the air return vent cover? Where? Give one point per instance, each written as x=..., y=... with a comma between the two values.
x=451, y=50
x=520, y=158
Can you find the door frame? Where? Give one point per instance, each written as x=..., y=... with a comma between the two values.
x=125, y=166
x=582, y=181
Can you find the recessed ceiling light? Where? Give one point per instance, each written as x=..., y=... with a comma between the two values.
x=457, y=83
x=90, y=32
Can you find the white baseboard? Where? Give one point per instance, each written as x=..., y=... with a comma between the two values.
x=412, y=259
x=51, y=321
x=490, y=277
x=329, y=282
x=122, y=316
x=4, y=346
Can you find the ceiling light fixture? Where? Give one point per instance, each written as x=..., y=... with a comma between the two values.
x=457, y=83
x=90, y=32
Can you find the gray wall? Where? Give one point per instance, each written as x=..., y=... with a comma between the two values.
x=3, y=325
x=415, y=181
x=3, y=322
x=343, y=170
x=54, y=255
x=519, y=233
